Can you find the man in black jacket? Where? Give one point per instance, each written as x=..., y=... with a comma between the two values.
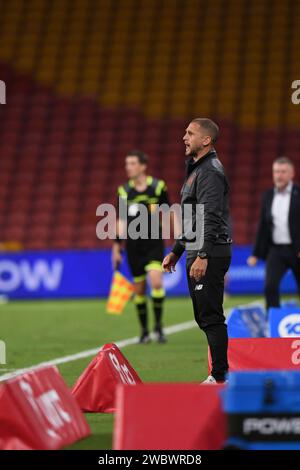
x=278, y=235
x=205, y=191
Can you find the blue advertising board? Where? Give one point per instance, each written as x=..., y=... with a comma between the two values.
x=67, y=274
x=87, y=273
x=284, y=322
x=247, y=322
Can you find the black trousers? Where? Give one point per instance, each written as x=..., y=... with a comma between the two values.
x=280, y=259
x=207, y=299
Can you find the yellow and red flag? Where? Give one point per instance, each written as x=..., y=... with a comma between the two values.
x=120, y=292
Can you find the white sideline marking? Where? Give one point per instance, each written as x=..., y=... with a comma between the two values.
x=169, y=330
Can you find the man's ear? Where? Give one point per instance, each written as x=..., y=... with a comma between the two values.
x=207, y=140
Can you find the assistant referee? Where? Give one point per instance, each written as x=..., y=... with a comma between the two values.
x=144, y=255
x=206, y=184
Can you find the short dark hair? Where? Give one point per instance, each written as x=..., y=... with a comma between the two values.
x=284, y=160
x=141, y=156
x=209, y=126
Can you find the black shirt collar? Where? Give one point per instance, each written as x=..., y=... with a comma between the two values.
x=191, y=164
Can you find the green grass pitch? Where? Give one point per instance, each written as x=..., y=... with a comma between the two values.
x=36, y=331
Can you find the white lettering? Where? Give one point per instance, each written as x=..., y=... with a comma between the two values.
x=10, y=276
x=122, y=369
x=51, y=406
x=2, y=92
x=39, y=274
x=47, y=407
x=296, y=94
x=296, y=354
x=267, y=426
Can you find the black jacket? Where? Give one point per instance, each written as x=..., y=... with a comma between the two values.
x=264, y=232
x=206, y=184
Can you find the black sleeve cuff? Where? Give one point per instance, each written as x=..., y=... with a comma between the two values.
x=178, y=248
x=207, y=247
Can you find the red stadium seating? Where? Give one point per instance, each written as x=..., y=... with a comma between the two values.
x=71, y=117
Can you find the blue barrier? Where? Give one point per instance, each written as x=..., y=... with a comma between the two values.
x=284, y=322
x=87, y=273
x=68, y=274
x=263, y=409
x=247, y=322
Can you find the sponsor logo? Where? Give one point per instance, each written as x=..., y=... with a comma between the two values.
x=31, y=276
x=133, y=210
x=124, y=373
x=268, y=426
x=290, y=326
x=47, y=407
x=199, y=287
x=191, y=179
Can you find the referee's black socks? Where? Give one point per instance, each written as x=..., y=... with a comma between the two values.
x=141, y=306
x=158, y=297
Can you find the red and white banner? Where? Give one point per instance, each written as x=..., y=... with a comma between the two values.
x=95, y=389
x=169, y=416
x=262, y=353
x=37, y=411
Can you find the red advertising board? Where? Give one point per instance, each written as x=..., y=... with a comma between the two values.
x=37, y=411
x=169, y=416
x=95, y=389
x=262, y=353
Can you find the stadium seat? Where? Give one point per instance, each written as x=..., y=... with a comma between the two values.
x=131, y=91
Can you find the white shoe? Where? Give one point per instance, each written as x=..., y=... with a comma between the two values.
x=210, y=380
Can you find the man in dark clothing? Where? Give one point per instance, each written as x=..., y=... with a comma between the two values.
x=205, y=189
x=278, y=235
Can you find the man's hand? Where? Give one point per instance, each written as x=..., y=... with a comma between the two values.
x=116, y=256
x=169, y=263
x=198, y=268
x=252, y=261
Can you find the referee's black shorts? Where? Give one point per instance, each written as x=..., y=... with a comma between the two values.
x=144, y=256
